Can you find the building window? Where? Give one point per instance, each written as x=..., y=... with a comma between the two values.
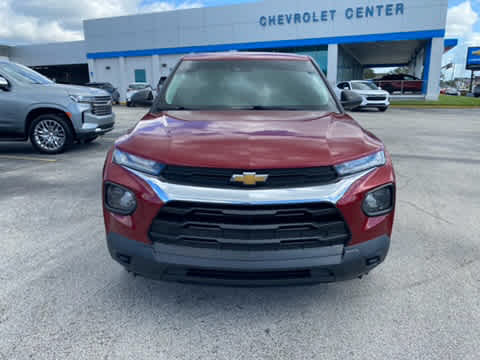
x=140, y=75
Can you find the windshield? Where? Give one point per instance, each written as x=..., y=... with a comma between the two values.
x=23, y=74
x=364, y=86
x=247, y=84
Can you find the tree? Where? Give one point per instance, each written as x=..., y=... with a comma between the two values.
x=399, y=70
x=369, y=74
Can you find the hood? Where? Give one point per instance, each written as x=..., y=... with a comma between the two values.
x=372, y=92
x=79, y=90
x=249, y=139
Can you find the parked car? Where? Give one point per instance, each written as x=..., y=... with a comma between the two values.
x=108, y=88
x=476, y=91
x=139, y=93
x=372, y=96
x=452, y=91
x=52, y=116
x=251, y=176
x=402, y=83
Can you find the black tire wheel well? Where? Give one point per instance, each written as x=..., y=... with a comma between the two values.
x=35, y=113
x=59, y=118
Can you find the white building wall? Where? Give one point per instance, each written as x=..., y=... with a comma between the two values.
x=332, y=66
x=435, y=69
x=140, y=62
x=61, y=53
x=242, y=24
x=419, y=62
x=107, y=70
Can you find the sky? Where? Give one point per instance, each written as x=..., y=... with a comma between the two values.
x=37, y=21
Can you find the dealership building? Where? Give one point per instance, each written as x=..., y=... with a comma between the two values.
x=343, y=36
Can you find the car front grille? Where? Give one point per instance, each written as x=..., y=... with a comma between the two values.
x=249, y=227
x=221, y=178
x=376, y=98
x=102, y=105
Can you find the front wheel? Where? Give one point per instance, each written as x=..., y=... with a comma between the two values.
x=383, y=109
x=50, y=134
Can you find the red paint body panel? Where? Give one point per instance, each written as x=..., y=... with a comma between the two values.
x=362, y=227
x=249, y=139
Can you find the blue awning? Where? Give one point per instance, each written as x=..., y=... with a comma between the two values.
x=450, y=44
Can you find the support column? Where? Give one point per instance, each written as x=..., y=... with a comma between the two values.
x=155, y=70
x=433, y=68
x=91, y=70
x=123, y=78
x=332, y=66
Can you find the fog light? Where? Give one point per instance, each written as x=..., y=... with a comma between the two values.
x=119, y=200
x=379, y=201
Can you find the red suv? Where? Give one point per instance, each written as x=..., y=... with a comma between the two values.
x=247, y=171
x=402, y=83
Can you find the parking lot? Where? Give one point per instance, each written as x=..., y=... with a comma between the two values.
x=62, y=297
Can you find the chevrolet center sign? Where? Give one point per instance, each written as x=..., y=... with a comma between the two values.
x=350, y=13
x=473, y=58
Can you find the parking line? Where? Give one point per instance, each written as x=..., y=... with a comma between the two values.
x=11, y=157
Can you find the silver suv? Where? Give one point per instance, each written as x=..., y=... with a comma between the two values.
x=52, y=116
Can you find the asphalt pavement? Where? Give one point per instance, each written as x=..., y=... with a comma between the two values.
x=62, y=297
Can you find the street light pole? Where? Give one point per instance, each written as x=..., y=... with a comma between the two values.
x=471, y=82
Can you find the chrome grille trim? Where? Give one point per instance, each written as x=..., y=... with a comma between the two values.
x=330, y=193
x=102, y=105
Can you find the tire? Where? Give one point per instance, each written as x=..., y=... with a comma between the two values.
x=89, y=140
x=383, y=109
x=129, y=104
x=50, y=134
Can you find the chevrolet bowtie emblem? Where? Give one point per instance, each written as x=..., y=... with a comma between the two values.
x=249, y=178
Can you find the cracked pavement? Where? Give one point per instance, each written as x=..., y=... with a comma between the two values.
x=62, y=297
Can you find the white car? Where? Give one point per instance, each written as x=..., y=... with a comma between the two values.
x=373, y=96
x=139, y=93
x=453, y=92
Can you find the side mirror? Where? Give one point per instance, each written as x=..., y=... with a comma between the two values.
x=4, y=85
x=350, y=100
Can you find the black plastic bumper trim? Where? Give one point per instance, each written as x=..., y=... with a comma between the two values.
x=248, y=268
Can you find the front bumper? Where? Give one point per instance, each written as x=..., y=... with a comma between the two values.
x=375, y=103
x=242, y=268
x=131, y=245
x=95, y=125
x=87, y=124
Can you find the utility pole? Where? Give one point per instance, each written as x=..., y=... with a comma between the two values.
x=471, y=82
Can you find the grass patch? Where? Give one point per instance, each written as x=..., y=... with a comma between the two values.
x=443, y=101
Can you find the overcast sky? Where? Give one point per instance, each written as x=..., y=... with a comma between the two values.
x=36, y=21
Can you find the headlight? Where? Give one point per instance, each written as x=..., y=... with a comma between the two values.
x=365, y=163
x=119, y=199
x=137, y=163
x=82, y=99
x=379, y=201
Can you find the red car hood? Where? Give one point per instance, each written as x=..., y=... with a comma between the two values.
x=249, y=139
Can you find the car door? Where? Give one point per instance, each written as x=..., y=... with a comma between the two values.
x=11, y=104
x=411, y=83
